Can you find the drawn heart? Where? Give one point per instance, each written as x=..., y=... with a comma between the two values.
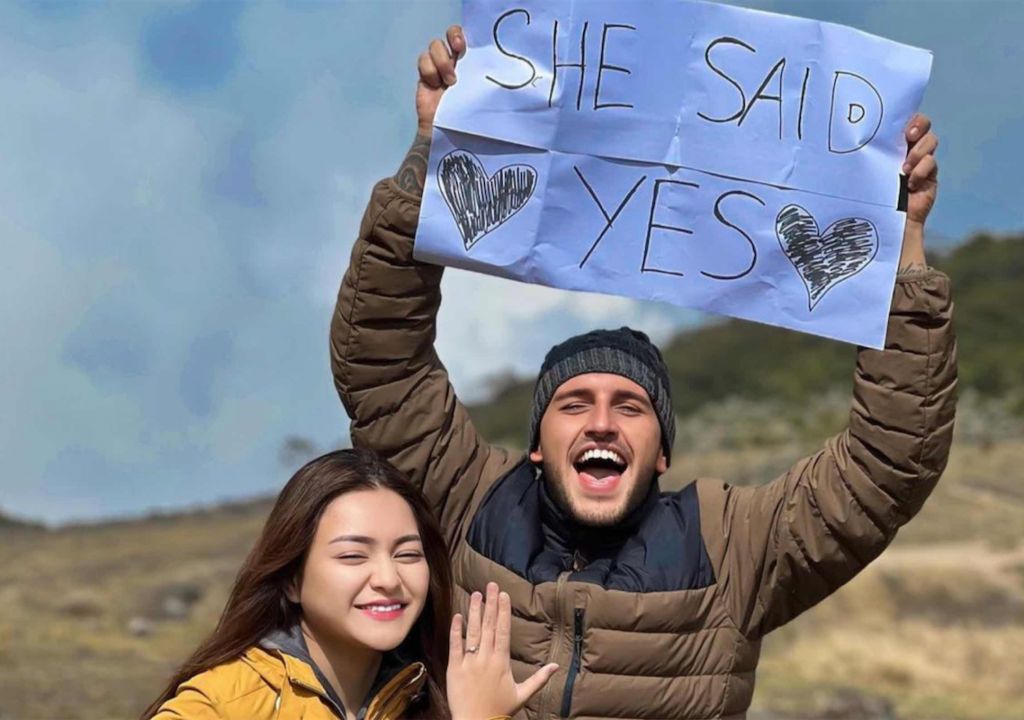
x=823, y=260
x=479, y=203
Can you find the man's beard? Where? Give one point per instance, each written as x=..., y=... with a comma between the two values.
x=558, y=487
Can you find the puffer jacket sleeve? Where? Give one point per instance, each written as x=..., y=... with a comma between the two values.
x=782, y=547
x=192, y=702
x=389, y=377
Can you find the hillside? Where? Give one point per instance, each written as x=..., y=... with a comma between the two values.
x=715, y=362
x=8, y=522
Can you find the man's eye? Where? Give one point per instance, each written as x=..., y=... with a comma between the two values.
x=630, y=410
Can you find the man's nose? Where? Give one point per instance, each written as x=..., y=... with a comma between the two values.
x=601, y=421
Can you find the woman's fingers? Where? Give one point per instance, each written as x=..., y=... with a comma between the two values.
x=473, y=623
x=532, y=685
x=455, y=640
x=504, y=629
x=490, y=621
x=480, y=679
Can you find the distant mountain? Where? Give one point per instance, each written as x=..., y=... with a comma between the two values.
x=753, y=361
x=942, y=242
x=8, y=522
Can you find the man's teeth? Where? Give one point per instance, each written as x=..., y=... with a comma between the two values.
x=598, y=454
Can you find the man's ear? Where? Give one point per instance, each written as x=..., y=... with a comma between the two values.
x=662, y=465
x=536, y=456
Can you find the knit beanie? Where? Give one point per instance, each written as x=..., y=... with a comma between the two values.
x=625, y=352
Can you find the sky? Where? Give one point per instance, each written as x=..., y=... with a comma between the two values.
x=180, y=185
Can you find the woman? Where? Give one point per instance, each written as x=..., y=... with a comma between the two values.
x=342, y=611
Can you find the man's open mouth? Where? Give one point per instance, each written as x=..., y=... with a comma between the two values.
x=599, y=470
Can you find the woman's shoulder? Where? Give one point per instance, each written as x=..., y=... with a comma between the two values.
x=246, y=687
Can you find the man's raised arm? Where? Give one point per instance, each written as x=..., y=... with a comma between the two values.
x=393, y=386
x=782, y=547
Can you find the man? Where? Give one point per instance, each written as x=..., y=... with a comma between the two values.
x=653, y=605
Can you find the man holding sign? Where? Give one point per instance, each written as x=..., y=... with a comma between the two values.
x=653, y=605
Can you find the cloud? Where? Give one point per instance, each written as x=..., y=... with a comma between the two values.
x=209, y=357
x=113, y=266
x=192, y=47
x=177, y=231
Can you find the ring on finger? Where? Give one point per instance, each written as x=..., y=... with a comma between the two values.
x=471, y=650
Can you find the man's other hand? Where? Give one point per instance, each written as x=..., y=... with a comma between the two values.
x=922, y=184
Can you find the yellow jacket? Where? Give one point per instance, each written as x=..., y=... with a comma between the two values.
x=270, y=685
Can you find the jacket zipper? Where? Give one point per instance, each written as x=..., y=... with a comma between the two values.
x=549, y=695
x=574, y=664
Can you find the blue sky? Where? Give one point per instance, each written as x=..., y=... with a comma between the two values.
x=180, y=184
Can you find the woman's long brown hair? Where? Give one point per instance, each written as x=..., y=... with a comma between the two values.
x=258, y=604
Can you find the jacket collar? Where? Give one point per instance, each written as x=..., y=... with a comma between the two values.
x=283, y=657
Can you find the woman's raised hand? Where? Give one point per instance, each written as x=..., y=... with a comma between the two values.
x=480, y=682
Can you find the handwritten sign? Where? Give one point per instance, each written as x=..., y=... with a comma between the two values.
x=729, y=160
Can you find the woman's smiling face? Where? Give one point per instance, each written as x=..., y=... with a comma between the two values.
x=365, y=579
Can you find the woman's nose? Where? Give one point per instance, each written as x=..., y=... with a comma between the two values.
x=385, y=575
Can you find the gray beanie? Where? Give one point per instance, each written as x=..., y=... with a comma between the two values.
x=624, y=352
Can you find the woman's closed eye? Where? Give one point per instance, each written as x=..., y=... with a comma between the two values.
x=410, y=556
x=351, y=558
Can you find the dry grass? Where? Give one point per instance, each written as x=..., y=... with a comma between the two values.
x=68, y=597
x=939, y=631
x=936, y=626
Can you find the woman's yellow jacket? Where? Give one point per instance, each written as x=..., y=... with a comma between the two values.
x=271, y=685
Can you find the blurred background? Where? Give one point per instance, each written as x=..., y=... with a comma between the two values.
x=180, y=184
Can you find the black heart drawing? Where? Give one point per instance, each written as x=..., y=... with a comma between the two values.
x=479, y=203
x=823, y=260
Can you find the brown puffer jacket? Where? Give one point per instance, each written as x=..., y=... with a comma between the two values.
x=670, y=625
